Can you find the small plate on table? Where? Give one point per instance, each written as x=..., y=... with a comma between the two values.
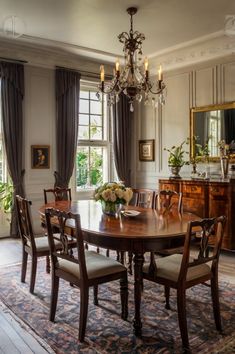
x=131, y=213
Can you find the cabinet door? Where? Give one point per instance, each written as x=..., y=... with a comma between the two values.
x=194, y=199
x=219, y=204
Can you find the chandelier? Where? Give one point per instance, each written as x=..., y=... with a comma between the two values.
x=133, y=79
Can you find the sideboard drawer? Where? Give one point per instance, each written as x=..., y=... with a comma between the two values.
x=193, y=189
x=170, y=186
x=218, y=191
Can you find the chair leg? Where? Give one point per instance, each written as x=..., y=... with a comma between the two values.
x=122, y=257
x=181, y=307
x=48, y=265
x=95, y=291
x=24, y=265
x=55, y=281
x=215, y=301
x=33, y=274
x=130, y=258
x=167, y=296
x=84, y=295
x=124, y=296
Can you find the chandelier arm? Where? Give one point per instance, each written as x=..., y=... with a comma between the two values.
x=105, y=90
x=159, y=90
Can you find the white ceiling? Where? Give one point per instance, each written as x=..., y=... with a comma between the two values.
x=93, y=25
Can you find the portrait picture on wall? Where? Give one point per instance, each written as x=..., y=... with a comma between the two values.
x=146, y=150
x=40, y=156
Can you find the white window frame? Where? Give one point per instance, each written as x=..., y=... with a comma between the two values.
x=80, y=193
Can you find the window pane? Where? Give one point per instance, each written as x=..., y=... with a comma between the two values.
x=96, y=120
x=96, y=133
x=82, y=166
x=83, y=132
x=84, y=94
x=83, y=119
x=93, y=96
x=83, y=106
x=96, y=166
x=89, y=166
x=96, y=107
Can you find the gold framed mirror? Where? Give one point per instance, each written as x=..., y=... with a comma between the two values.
x=211, y=124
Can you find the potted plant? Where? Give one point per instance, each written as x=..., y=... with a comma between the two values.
x=176, y=159
x=6, y=197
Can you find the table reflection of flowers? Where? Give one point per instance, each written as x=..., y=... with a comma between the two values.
x=113, y=196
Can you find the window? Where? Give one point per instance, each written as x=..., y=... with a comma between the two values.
x=3, y=167
x=93, y=165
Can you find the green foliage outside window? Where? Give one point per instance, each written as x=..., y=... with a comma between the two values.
x=6, y=196
x=89, y=173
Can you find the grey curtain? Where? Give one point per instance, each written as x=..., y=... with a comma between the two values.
x=67, y=109
x=12, y=93
x=122, y=139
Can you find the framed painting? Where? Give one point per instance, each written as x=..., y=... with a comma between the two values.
x=146, y=150
x=40, y=156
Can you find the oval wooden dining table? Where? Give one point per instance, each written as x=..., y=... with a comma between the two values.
x=147, y=232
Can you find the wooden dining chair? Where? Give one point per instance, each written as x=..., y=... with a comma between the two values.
x=57, y=194
x=86, y=269
x=31, y=245
x=189, y=269
x=168, y=201
x=142, y=197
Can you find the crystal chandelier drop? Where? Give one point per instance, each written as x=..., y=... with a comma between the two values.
x=133, y=79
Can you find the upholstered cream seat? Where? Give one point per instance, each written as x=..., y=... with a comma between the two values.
x=42, y=245
x=97, y=266
x=169, y=268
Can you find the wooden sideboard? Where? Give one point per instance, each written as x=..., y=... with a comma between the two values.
x=208, y=198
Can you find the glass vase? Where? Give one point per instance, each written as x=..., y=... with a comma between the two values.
x=111, y=208
x=224, y=162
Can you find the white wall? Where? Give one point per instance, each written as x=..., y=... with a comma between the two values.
x=39, y=107
x=195, y=86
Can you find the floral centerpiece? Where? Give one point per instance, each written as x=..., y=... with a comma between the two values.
x=112, y=196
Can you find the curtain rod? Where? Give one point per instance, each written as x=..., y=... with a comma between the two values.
x=85, y=73
x=14, y=60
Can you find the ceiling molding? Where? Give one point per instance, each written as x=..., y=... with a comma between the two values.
x=198, y=51
x=49, y=53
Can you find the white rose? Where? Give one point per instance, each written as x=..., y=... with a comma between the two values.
x=119, y=193
x=113, y=197
x=106, y=194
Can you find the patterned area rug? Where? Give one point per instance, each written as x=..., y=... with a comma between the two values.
x=106, y=331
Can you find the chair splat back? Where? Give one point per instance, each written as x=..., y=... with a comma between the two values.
x=63, y=222
x=142, y=197
x=24, y=220
x=166, y=200
x=57, y=194
x=211, y=228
